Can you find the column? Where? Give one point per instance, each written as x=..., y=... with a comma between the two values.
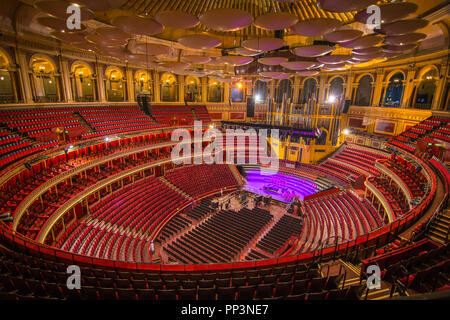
x=408, y=87
x=130, y=84
x=65, y=77
x=156, y=87
x=440, y=89
x=204, y=85
x=100, y=82
x=322, y=86
x=348, y=87
x=226, y=93
x=378, y=88
x=180, y=80
x=24, y=77
x=296, y=95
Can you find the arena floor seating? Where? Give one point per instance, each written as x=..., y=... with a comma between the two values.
x=286, y=227
x=219, y=238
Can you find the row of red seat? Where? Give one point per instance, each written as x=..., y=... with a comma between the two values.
x=201, y=179
x=338, y=217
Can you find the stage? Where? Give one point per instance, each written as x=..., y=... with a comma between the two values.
x=280, y=186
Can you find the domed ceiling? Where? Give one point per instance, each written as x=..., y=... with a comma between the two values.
x=200, y=35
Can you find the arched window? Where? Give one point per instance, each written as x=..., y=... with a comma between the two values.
x=215, y=90
x=143, y=83
x=83, y=83
x=9, y=92
x=394, y=90
x=116, y=86
x=336, y=89
x=426, y=90
x=309, y=90
x=237, y=92
x=260, y=93
x=192, y=89
x=46, y=86
x=284, y=90
x=364, y=91
x=169, y=92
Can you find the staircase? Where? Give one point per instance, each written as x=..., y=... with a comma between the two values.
x=83, y=121
x=440, y=228
x=194, y=114
x=174, y=187
x=239, y=179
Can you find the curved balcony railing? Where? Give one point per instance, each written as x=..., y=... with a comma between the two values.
x=375, y=238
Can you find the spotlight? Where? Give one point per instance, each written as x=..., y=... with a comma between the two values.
x=257, y=98
x=346, y=131
x=106, y=138
x=331, y=99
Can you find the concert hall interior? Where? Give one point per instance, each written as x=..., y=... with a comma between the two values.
x=224, y=150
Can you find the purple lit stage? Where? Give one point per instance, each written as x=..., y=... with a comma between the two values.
x=279, y=186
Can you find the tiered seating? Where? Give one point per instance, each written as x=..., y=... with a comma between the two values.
x=220, y=238
x=337, y=217
x=164, y=114
x=14, y=147
x=415, y=181
x=424, y=272
x=139, y=207
x=40, y=212
x=202, y=179
x=396, y=199
x=433, y=127
x=202, y=113
x=355, y=160
x=39, y=122
x=25, y=277
x=114, y=120
x=286, y=227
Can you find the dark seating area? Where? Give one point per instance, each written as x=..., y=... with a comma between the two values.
x=174, y=226
x=286, y=227
x=24, y=277
x=220, y=238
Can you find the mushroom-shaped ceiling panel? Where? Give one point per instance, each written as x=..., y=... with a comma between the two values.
x=138, y=25
x=315, y=27
x=275, y=21
x=200, y=41
x=177, y=19
x=226, y=19
x=263, y=44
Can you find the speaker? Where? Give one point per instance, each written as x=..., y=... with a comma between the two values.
x=250, y=107
x=346, y=106
x=279, y=34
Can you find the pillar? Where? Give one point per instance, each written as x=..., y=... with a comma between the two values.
x=24, y=77
x=130, y=85
x=100, y=82
x=65, y=79
x=156, y=87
